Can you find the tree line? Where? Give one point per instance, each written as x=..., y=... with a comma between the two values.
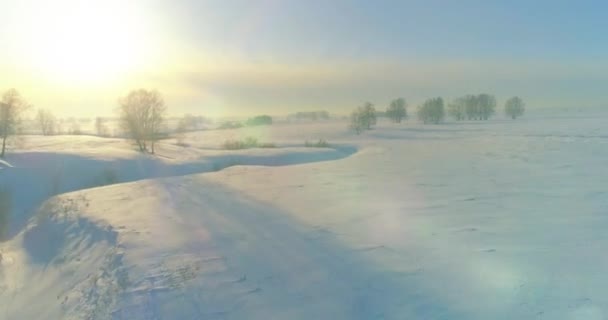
x=433, y=110
x=142, y=114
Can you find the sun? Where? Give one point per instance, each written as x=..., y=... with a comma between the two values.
x=83, y=41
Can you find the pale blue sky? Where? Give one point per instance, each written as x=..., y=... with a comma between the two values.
x=243, y=57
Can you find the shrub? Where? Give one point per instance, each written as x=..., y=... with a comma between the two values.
x=190, y=123
x=230, y=125
x=234, y=145
x=249, y=142
x=267, y=145
x=311, y=115
x=259, y=120
x=319, y=144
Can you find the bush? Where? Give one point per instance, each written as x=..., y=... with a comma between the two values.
x=311, y=115
x=230, y=125
x=259, y=121
x=249, y=142
x=267, y=145
x=319, y=144
x=190, y=123
x=108, y=176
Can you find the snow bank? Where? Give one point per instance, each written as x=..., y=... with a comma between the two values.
x=39, y=175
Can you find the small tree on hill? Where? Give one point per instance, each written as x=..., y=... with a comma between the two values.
x=514, y=107
x=397, y=111
x=12, y=107
x=432, y=111
x=142, y=116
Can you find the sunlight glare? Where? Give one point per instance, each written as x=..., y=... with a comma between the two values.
x=78, y=41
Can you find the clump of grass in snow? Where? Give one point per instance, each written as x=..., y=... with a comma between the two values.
x=319, y=144
x=267, y=145
x=249, y=142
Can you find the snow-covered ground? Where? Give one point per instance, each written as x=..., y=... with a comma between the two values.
x=476, y=220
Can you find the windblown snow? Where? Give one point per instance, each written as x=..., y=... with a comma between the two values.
x=492, y=220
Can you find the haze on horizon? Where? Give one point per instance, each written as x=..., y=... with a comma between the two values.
x=243, y=57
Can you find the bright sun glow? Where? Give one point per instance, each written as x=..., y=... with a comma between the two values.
x=80, y=41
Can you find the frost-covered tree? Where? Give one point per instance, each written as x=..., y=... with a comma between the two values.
x=457, y=109
x=397, y=111
x=12, y=107
x=487, y=106
x=363, y=118
x=369, y=112
x=47, y=122
x=142, y=116
x=432, y=111
x=514, y=107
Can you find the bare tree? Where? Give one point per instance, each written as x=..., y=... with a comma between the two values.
x=47, y=122
x=514, y=107
x=11, y=108
x=397, y=110
x=100, y=127
x=142, y=116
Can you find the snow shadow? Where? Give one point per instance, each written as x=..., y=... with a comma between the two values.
x=47, y=174
x=275, y=267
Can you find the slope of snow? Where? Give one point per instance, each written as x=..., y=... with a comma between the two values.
x=497, y=220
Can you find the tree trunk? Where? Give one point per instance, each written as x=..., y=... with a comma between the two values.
x=3, y=146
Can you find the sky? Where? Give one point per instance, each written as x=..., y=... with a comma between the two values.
x=239, y=57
